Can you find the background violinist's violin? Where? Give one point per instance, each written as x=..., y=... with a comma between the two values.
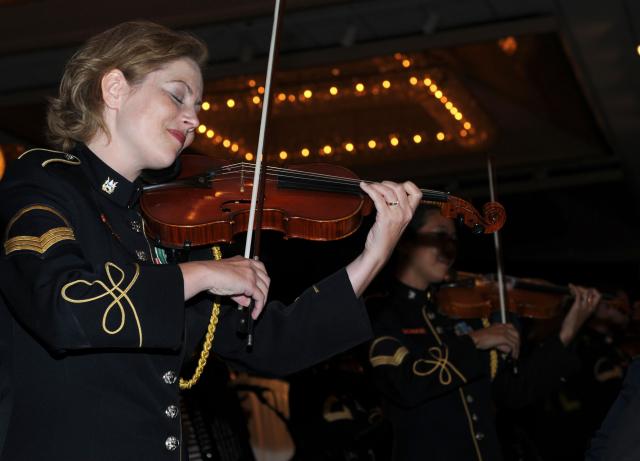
x=476, y=296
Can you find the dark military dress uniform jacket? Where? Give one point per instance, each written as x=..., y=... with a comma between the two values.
x=436, y=387
x=97, y=331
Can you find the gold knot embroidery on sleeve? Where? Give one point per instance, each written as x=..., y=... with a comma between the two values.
x=117, y=295
x=439, y=362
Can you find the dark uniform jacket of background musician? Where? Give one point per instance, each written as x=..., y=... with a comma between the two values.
x=436, y=386
x=98, y=331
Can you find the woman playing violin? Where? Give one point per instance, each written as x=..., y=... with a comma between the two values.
x=436, y=376
x=98, y=330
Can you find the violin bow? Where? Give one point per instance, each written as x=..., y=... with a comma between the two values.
x=257, y=193
x=498, y=247
x=496, y=243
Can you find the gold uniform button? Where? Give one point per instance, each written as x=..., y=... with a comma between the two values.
x=171, y=443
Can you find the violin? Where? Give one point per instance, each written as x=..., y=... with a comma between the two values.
x=209, y=202
x=476, y=296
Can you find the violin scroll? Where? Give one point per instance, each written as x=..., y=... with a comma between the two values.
x=495, y=215
x=492, y=220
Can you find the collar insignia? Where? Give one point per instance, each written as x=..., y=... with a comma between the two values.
x=411, y=294
x=109, y=186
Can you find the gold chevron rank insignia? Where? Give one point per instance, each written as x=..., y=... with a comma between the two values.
x=39, y=244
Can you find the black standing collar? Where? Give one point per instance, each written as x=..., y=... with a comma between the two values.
x=409, y=294
x=106, y=181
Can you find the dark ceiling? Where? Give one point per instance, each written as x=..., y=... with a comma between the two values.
x=547, y=87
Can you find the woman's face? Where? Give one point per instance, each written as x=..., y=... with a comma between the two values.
x=433, y=252
x=158, y=117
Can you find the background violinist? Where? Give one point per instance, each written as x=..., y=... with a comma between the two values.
x=437, y=376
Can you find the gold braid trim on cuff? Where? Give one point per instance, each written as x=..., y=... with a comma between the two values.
x=208, y=340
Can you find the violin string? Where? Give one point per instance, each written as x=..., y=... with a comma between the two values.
x=339, y=179
x=350, y=184
x=293, y=174
x=290, y=173
x=285, y=173
x=335, y=181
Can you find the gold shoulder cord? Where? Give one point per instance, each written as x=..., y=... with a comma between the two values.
x=493, y=354
x=208, y=340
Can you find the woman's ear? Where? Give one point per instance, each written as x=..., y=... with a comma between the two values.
x=114, y=87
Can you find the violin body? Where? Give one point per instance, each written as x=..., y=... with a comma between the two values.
x=477, y=296
x=188, y=215
x=210, y=202
x=470, y=298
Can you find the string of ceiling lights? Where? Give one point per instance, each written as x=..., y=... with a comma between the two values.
x=307, y=94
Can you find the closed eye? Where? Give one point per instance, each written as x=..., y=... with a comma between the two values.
x=175, y=98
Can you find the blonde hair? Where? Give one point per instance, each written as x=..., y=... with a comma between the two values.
x=136, y=48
